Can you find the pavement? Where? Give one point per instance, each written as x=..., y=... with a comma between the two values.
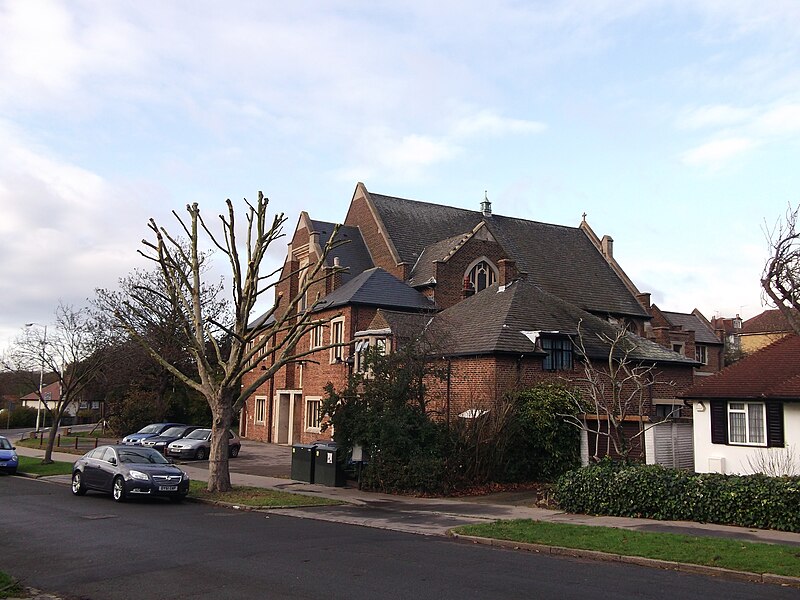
x=268, y=465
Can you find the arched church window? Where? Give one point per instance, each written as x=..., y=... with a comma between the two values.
x=481, y=276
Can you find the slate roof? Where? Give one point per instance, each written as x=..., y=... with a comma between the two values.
x=404, y=325
x=562, y=260
x=691, y=322
x=376, y=287
x=354, y=254
x=770, y=373
x=769, y=321
x=493, y=321
x=423, y=271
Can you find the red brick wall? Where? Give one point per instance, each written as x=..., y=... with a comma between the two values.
x=450, y=274
x=360, y=216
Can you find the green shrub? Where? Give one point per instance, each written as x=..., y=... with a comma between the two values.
x=655, y=492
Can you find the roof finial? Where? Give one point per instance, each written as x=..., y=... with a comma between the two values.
x=584, y=217
x=486, y=206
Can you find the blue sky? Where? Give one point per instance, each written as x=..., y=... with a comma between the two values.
x=675, y=125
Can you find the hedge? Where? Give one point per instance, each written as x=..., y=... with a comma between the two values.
x=655, y=492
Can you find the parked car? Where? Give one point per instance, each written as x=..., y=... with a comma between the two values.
x=128, y=471
x=160, y=442
x=8, y=458
x=198, y=445
x=148, y=431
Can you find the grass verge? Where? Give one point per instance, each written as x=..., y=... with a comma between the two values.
x=257, y=497
x=9, y=587
x=33, y=465
x=712, y=552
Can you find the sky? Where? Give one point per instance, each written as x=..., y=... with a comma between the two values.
x=673, y=124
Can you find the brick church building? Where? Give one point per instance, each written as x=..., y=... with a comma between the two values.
x=504, y=297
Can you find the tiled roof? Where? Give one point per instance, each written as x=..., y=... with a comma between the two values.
x=376, y=287
x=772, y=372
x=404, y=325
x=494, y=321
x=691, y=322
x=562, y=260
x=423, y=270
x=769, y=321
x=353, y=255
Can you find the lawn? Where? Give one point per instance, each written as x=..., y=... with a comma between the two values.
x=257, y=497
x=34, y=466
x=9, y=588
x=714, y=552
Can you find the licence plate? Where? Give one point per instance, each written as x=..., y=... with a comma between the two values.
x=168, y=488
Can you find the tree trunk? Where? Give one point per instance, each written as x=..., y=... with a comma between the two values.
x=51, y=438
x=219, y=477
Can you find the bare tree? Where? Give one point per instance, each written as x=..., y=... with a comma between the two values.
x=73, y=350
x=608, y=397
x=223, y=346
x=781, y=278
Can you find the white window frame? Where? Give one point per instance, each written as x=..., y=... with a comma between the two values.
x=745, y=411
x=260, y=410
x=678, y=347
x=308, y=414
x=471, y=273
x=702, y=351
x=337, y=352
x=317, y=337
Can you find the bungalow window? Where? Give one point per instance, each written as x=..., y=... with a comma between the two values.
x=559, y=354
x=747, y=423
x=362, y=349
x=701, y=354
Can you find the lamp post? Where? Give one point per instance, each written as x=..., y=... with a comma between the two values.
x=41, y=376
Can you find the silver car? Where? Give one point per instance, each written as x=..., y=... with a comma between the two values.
x=198, y=445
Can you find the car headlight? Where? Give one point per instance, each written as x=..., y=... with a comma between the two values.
x=15, y=458
x=185, y=476
x=139, y=475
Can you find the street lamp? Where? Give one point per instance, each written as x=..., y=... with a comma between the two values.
x=41, y=375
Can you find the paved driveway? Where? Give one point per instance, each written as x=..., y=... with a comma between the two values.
x=258, y=458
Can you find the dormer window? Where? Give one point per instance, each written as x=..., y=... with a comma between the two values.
x=559, y=354
x=482, y=275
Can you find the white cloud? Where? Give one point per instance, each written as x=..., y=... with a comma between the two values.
x=720, y=115
x=717, y=152
x=487, y=122
x=780, y=121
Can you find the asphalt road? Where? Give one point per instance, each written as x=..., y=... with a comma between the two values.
x=91, y=547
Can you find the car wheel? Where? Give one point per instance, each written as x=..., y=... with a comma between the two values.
x=77, y=484
x=233, y=451
x=200, y=454
x=118, y=489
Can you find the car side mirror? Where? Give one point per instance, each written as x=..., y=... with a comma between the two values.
x=112, y=460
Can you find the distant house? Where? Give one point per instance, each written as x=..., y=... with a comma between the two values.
x=505, y=299
x=728, y=329
x=762, y=330
x=78, y=411
x=690, y=334
x=747, y=416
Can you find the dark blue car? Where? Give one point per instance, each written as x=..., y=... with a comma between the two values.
x=152, y=430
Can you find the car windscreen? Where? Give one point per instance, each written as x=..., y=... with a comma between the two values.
x=141, y=456
x=174, y=432
x=198, y=434
x=150, y=429
x=5, y=444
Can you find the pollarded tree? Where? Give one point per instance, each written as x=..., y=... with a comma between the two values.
x=608, y=396
x=73, y=350
x=781, y=278
x=223, y=345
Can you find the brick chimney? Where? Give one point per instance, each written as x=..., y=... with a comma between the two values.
x=644, y=299
x=607, y=246
x=508, y=271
